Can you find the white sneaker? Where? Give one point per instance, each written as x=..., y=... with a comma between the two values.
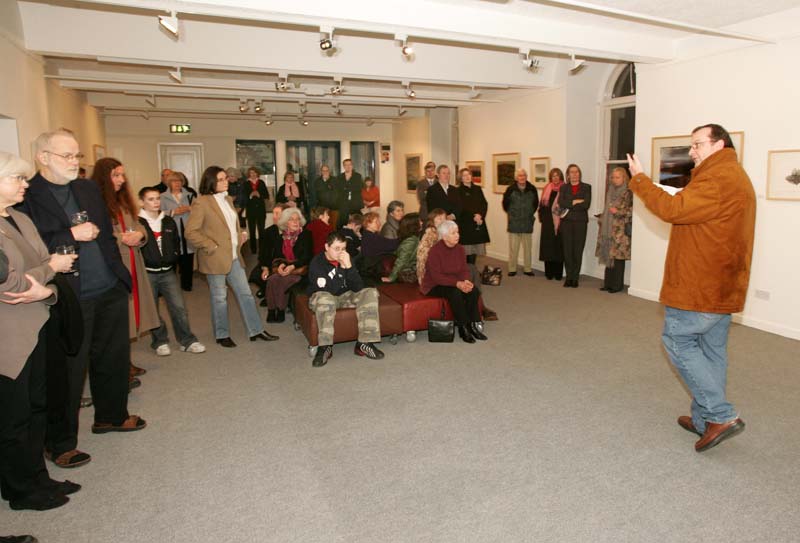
x=163, y=350
x=195, y=347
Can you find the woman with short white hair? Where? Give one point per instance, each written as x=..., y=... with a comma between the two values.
x=447, y=276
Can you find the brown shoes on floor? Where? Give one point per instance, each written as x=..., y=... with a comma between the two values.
x=715, y=433
x=69, y=459
x=131, y=424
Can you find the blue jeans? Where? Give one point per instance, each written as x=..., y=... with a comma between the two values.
x=237, y=279
x=697, y=345
x=166, y=285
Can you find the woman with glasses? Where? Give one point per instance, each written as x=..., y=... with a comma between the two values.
x=214, y=230
x=109, y=174
x=25, y=305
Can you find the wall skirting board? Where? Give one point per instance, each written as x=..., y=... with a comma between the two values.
x=739, y=318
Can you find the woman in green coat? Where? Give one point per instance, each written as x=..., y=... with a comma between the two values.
x=405, y=265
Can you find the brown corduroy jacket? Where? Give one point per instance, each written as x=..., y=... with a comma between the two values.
x=707, y=268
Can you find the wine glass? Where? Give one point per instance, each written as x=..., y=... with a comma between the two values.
x=67, y=250
x=79, y=217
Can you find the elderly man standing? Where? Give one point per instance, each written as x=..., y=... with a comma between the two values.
x=327, y=193
x=162, y=186
x=71, y=212
x=349, y=184
x=706, y=274
x=520, y=202
x=422, y=189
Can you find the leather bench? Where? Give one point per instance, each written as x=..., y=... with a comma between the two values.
x=345, y=325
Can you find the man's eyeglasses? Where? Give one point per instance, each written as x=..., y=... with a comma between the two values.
x=696, y=145
x=69, y=157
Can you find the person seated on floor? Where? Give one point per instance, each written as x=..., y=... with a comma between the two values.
x=447, y=276
x=284, y=259
x=160, y=253
x=271, y=232
x=394, y=214
x=319, y=227
x=335, y=283
x=404, y=269
x=374, y=248
x=429, y=238
x=352, y=233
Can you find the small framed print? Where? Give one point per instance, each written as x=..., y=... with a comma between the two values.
x=540, y=168
x=504, y=166
x=413, y=171
x=783, y=175
x=476, y=168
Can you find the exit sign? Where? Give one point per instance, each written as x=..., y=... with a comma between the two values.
x=180, y=128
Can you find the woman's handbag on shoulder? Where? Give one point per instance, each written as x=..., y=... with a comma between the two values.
x=441, y=331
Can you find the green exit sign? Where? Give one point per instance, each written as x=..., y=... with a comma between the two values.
x=180, y=128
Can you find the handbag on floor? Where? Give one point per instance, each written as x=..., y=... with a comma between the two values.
x=440, y=330
x=491, y=276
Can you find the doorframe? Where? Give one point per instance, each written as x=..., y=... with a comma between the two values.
x=181, y=144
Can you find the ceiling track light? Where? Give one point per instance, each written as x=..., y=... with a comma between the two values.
x=282, y=85
x=337, y=88
x=528, y=61
x=259, y=107
x=176, y=75
x=473, y=93
x=244, y=106
x=405, y=49
x=326, y=42
x=303, y=107
x=302, y=120
x=336, y=109
x=268, y=120
x=169, y=23
x=370, y=121
x=151, y=100
x=401, y=111
x=409, y=91
x=577, y=64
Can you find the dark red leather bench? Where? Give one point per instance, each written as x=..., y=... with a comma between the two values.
x=346, y=325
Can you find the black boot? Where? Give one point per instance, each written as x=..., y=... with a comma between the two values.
x=465, y=335
x=272, y=315
x=280, y=315
x=474, y=329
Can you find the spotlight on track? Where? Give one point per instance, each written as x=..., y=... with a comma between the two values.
x=409, y=91
x=259, y=107
x=401, y=111
x=405, y=49
x=268, y=120
x=170, y=23
x=176, y=75
x=244, y=106
x=326, y=42
x=528, y=61
x=282, y=85
x=577, y=64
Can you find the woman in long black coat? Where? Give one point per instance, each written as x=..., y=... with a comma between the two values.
x=574, y=199
x=551, y=250
x=471, y=219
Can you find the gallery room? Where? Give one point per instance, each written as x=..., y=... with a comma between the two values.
x=562, y=425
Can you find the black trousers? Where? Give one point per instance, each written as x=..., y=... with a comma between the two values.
x=186, y=270
x=23, y=420
x=464, y=305
x=614, y=276
x=554, y=269
x=573, y=237
x=106, y=353
x=255, y=228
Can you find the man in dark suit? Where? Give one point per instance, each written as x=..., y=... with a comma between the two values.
x=350, y=184
x=422, y=190
x=443, y=195
x=102, y=283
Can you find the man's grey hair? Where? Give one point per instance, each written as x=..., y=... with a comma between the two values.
x=394, y=204
x=445, y=228
x=42, y=143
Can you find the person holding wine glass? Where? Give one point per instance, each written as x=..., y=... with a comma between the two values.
x=109, y=174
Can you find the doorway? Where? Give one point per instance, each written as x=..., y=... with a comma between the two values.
x=186, y=158
x=9, y=140
x=307, y=157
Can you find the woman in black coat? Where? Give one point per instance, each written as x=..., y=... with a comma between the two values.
x=551, y=250
x=291, y=193
x=255, y=196
x=574, y=200
x=471, y=219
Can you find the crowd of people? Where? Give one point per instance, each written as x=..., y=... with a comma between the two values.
x=83, y=264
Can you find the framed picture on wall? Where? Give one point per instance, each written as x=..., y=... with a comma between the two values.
x=413, y=171
x=672, y=164
x=99, y=152
x=475, y=168
x=503, y=167
x=540, y=166
x=783, y=175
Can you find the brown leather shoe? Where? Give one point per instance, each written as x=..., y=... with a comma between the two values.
x=136, y=371
x=69, y=459
x=488, y=314
x=687, y=424
x=717, y=433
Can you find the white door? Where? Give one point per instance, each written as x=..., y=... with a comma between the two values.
x=9, y=142
x=186, y=158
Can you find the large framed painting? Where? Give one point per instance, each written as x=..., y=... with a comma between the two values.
x=783, y=175
x=504, y=165
x=672, y=165
x=475, y=168
x=413, y=171
x=540, y=167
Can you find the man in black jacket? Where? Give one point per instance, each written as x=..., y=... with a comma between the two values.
x=335, y=283
x=58, y=204
x=160, y=254
x=349, y=184
x=327, y=193
x=443, y=195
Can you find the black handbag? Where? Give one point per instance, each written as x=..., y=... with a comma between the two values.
x=441, y=331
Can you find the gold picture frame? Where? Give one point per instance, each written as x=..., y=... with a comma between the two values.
x=671, y=163
x=783, y=175
x=413, y=171
x=478, y=169
x=504, y=167
x=540, y=169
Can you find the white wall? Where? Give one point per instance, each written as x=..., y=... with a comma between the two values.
x=533, y=125
x=134, y=141
x=35, y=104
x=754, y=89
x=411, y=136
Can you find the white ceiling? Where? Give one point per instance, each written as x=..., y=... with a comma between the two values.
x=466, y=51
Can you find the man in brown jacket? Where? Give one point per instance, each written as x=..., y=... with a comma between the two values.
x=706, y=274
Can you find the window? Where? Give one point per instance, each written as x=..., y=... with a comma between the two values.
x=362, y=153
x=258, y=153
x=307, y=157
x=620, y=117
